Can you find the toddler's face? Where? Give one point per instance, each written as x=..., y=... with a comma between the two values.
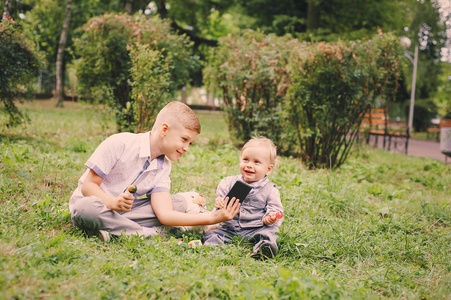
x=255, y=163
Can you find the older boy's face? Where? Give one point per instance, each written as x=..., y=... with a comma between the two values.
x=255, y=163
x=176, y=141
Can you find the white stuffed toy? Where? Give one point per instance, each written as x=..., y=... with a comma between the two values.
x=192, y=203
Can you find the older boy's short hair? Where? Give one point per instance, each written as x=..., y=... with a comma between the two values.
x=265, y=142
x=175, y=113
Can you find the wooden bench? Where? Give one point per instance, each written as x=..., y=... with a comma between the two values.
x=434, y=129
x=445, y=123
x=376, y=124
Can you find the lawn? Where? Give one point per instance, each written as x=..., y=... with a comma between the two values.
x=378, y=227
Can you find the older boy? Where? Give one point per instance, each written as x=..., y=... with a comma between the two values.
x=102, y=204
x=256, y=220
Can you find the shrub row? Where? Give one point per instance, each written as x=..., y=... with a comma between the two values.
x=308, y=98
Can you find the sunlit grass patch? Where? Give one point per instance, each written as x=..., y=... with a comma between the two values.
x=378, y=227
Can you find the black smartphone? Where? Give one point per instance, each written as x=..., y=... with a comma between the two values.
x=239, y=190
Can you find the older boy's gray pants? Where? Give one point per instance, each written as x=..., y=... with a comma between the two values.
x=90, y=213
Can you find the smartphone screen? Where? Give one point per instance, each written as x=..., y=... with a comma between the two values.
x=240, y=190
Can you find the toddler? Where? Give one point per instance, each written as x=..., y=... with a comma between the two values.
x=256, y=220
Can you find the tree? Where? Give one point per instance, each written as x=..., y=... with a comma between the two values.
x=280, y=17
x=331, y=20
x=150, y=71
x=313, y=14
x=442, y=97
x=6, y=10
x=47, y=19
x=19, y=65
x=251, y=72
x=43, y=25
x=104, y=65
x=309, y=98
x=192, y=17
x=60, y=56
x=333, y=85
x=204, y=21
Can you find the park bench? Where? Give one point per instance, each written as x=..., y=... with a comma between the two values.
x=376, y=125
x=434, y=129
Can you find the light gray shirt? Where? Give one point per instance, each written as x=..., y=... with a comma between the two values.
x=123, y=159
x=264, y=198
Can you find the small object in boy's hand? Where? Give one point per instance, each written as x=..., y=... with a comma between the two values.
x=132, y=189
x=279, y=215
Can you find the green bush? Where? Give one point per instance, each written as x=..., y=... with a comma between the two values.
x=250, y=71
x=308, y=98
x=104, y=65
x=332, y=87
x=19, y=64
x=151, y=80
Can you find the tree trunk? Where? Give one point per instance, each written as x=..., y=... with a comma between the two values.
x=60, y=57
x=129, y=7
x=161, y=8
x=184, y=94
x=313, y=14
x=6, y=10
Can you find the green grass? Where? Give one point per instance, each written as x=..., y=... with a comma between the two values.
x=379, y=227
x=425, y=136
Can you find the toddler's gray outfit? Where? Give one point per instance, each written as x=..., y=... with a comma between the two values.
x=263, y=199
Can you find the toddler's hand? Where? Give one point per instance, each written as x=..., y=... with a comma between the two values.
x=270, y=219
x=219, y=203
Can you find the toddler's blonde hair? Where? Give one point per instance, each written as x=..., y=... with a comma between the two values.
x=265, y=142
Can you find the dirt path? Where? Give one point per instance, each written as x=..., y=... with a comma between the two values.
x=426, y=149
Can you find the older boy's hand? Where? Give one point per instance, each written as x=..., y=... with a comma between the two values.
x=123, y=202
x=228, y=212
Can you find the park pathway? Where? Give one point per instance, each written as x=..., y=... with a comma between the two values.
x=422, y=148
x=426, y=149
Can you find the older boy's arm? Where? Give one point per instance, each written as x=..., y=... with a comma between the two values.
x=91, y=187
x=162, y=206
